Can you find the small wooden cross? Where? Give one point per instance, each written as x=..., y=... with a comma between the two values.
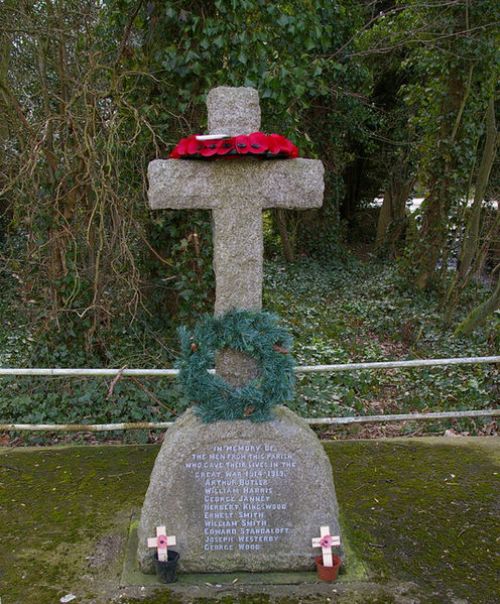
x=161, y=542
x=326, y=542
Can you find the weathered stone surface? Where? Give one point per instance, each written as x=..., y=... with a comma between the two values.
x=283, y=183
x=237, y=368
x=238, y=255
x=261, y=491
x=233, y=111
x=238, y=495
x=236, y=191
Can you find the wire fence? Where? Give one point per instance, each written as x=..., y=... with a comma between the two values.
x=171, y=373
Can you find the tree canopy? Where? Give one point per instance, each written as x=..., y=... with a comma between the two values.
x=395, y=97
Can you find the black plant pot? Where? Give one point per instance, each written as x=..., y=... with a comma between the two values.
x=166, y=571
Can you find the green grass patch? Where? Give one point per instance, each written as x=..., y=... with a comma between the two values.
x=423, y=511
x=413, y=513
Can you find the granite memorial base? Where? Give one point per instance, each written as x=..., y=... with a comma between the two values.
x=240, y=496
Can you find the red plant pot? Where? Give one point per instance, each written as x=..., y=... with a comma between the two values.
x=328, y=573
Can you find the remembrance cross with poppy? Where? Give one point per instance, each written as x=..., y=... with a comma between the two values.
x=236, y=192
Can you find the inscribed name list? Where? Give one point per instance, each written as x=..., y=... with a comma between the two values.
x=244, y=490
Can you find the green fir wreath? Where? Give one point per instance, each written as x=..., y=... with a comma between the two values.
x=256, y=334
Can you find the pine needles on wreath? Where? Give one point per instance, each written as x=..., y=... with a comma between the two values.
x=256, y=334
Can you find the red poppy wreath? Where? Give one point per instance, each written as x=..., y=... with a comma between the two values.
x=216, y=146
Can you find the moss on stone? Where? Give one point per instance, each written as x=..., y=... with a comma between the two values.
x=54, y=506
x=413, y=512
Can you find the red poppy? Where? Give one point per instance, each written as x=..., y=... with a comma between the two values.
x=193, y=146
x=279, y=144
x=241, y=144
x=210, y=148
x=180, y=149
x=257, y=142
x=225, y=146
x=183, y=145
x=326, y=541
x=276, y=143
x=291, y=150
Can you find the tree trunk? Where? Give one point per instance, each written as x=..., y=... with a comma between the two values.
x=432, y=235
x=469, y=262
x=437, y=204
x=471, y=237
x=353, y=189
x=392, y=217
x=384, y=218
x=286, y=244
x=479, y=315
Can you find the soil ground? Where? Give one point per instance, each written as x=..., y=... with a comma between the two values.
x=420, y=517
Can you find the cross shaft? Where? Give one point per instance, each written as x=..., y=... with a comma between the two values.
x=236, y=190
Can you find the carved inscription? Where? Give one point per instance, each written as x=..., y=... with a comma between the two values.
x=243, y=489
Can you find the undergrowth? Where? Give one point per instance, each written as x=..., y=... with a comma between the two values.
x=362, y=312
x=338, y=312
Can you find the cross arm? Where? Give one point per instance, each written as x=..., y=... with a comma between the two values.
x=180, y=184
x=292, y=183
x=282, y=183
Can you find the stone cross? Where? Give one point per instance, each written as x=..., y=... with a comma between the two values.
x=236, y=190
x=326, y=542
x=161, y=542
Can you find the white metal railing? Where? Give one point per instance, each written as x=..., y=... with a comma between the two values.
x=417, y=363
x=313, y=421
x=56, y=372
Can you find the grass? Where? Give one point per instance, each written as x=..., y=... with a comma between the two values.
x=423, y=512
x=420, y=515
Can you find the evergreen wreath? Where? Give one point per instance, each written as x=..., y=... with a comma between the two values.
x=256, y=334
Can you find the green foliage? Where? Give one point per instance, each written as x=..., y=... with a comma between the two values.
x=134, y=81
x=283, y=49
x=89, y=400
x=184, y=282
x=354, y=90
x=357, y=312
x=92, y=91
x=459, y=70
x=338, y=312
x=255, y=334
x=450, y=71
